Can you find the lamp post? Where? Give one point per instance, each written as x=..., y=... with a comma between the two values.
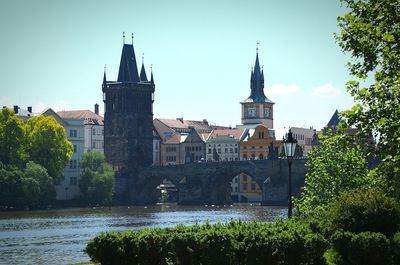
x=290, y=148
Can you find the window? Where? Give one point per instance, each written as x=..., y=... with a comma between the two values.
x=253, y=186
x=94, y=131
x=236, y=150
x=219, y=150
x=244, y=186
x=226, y=150
x=102, y=132
x=75, y=148
x=231, y=150
x=244, y=178
x=73, y=133
x=209, y=150
x=93, y=144
x=73, y=181
x=73, y=164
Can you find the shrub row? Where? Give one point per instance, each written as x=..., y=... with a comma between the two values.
x=365, y=248
x=290, y=242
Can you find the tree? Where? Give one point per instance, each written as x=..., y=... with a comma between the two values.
x=47, y=144
x=97, y=179
x=335, y=166
x=30, y=187
x=37, y=186
x=11, y=138
x=370, y=32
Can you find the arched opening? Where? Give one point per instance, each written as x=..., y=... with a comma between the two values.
x=244, y=189
x=167, y=191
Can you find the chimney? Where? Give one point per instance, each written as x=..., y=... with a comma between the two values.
x=205, y=121
x=180, y=119
x=30, y=109
x=96, y=108
x=16, y=109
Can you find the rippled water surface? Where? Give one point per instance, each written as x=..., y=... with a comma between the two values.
x=59, y=236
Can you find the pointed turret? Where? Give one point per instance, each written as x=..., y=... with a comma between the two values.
x=104, y=78
x=335, y=119
x=128, y=71
x=143, y=76
x=151, y=78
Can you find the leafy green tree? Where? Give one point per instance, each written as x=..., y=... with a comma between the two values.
x=47, y=144
x=37, y=186
x=335, y=166
x=97, y=179
x=370, y=32
x=31, y=187
x=11, y=138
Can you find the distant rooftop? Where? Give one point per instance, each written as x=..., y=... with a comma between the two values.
x=88, y=116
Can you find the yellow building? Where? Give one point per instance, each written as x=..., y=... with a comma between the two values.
x=245, y=189
x=260, y=143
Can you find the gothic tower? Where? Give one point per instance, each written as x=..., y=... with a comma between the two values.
x=257, y=108
x=128, y=115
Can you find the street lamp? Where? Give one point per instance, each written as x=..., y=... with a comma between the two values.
x=290, y=147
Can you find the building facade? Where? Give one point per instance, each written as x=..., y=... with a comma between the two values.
x=128, y=116
x=84, y=129
x=259, y=143
x=224, y=145
x=183, y=141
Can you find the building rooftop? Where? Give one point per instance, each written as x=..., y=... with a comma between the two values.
x=88, y=116
x=235, y=133
x=180, y=123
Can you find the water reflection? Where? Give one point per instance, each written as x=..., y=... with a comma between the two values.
x=59, y=236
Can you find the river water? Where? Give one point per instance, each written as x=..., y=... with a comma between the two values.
x=60, y=236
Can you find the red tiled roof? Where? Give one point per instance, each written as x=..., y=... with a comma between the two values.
x=236, y=133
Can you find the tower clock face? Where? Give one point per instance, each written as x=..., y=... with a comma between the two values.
x=251, y=112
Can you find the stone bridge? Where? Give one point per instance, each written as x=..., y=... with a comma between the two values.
x=209, y=182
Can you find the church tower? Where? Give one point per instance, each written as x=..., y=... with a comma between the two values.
x=128, y=115
x=257, y=108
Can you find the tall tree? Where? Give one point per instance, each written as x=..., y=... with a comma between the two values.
x=335, y=166
x=47, y=144
x=11, y=138
x=97, y=179
x=370, y=32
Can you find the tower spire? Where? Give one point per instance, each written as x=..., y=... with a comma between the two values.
x=104, y=76
x=123, y=37
x=132, y=37
x=143, y=76
x=151, y=78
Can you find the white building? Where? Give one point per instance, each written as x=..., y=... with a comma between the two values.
x=304, y=137
x=85, y=130
x=223, y=145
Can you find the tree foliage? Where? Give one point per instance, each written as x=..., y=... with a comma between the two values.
x=30, y=187
x=370, y=32
x=335, y=166
x=47, y=144
x=32, y=156
x=11, y=138
x=97, y=179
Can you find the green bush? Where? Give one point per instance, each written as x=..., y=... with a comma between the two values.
x=283, y=242
x=366, y=248
x=366, y=210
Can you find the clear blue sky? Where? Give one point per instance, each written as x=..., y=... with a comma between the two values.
x=52, y=54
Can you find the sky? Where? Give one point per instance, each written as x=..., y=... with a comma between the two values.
x=53, y=54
